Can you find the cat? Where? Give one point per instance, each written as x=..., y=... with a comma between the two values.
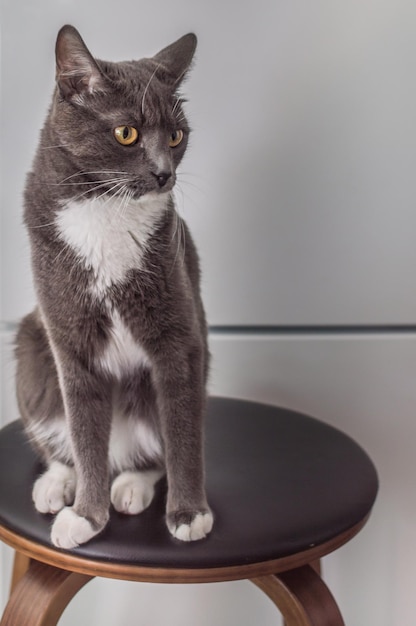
x=112, y=364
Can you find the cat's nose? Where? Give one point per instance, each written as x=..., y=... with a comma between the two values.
x=162, y=178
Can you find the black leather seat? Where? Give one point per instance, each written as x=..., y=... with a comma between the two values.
x=285, y=489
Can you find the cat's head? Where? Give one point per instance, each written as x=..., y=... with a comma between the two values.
x=120, y=125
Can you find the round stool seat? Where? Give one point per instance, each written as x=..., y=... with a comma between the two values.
x=280, y=484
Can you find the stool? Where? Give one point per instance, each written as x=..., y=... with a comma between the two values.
x=285, y=489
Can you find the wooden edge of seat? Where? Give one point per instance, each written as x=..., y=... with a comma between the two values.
x=124, y=571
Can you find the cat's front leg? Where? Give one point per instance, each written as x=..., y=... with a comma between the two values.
x=181, y=399
x=190, y=525
x=87, y=400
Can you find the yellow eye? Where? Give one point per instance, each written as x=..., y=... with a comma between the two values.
x=175, y=138
x=126, y=135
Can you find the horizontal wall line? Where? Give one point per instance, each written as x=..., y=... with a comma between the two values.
x=314, y=329
x=8, y=327
x=287, y=329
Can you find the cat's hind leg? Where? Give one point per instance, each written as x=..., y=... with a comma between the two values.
x=133, y=491
x=55, y=488
x=41, y=408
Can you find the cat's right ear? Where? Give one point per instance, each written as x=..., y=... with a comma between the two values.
x=77, y=73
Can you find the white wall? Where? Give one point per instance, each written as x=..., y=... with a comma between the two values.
x=299, y=189
x=299, y=183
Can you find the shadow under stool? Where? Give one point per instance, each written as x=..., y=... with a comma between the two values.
x=286, y=489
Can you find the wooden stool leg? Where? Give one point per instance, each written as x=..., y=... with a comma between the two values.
x=41, y=595
x=302, y=597
x=317, y=566
x=20, y=566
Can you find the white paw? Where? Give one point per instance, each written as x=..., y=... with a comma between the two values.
x=198, y=528
x=69, y=530
x=54, y=489
x=132, y=492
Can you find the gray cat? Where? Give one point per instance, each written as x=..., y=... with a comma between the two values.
x=112, y=364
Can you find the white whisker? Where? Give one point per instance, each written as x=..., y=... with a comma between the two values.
x=181, y=117
x=96, y=188
x=86, y=173
x=123, y=204
x=42, y=225
x=89, y=182
x=177, y=103
x=65, y=250
x=147, y=86
x=118, y=185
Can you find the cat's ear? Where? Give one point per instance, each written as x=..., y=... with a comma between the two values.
x=77, y=73
x=177, y=58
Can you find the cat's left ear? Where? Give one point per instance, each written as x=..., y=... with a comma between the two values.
x=77, y=73
x=177, y=58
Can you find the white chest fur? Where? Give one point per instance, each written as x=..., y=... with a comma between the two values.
x=110, y=236
x=122, y=354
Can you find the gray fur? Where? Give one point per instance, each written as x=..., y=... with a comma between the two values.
x=159, y=302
